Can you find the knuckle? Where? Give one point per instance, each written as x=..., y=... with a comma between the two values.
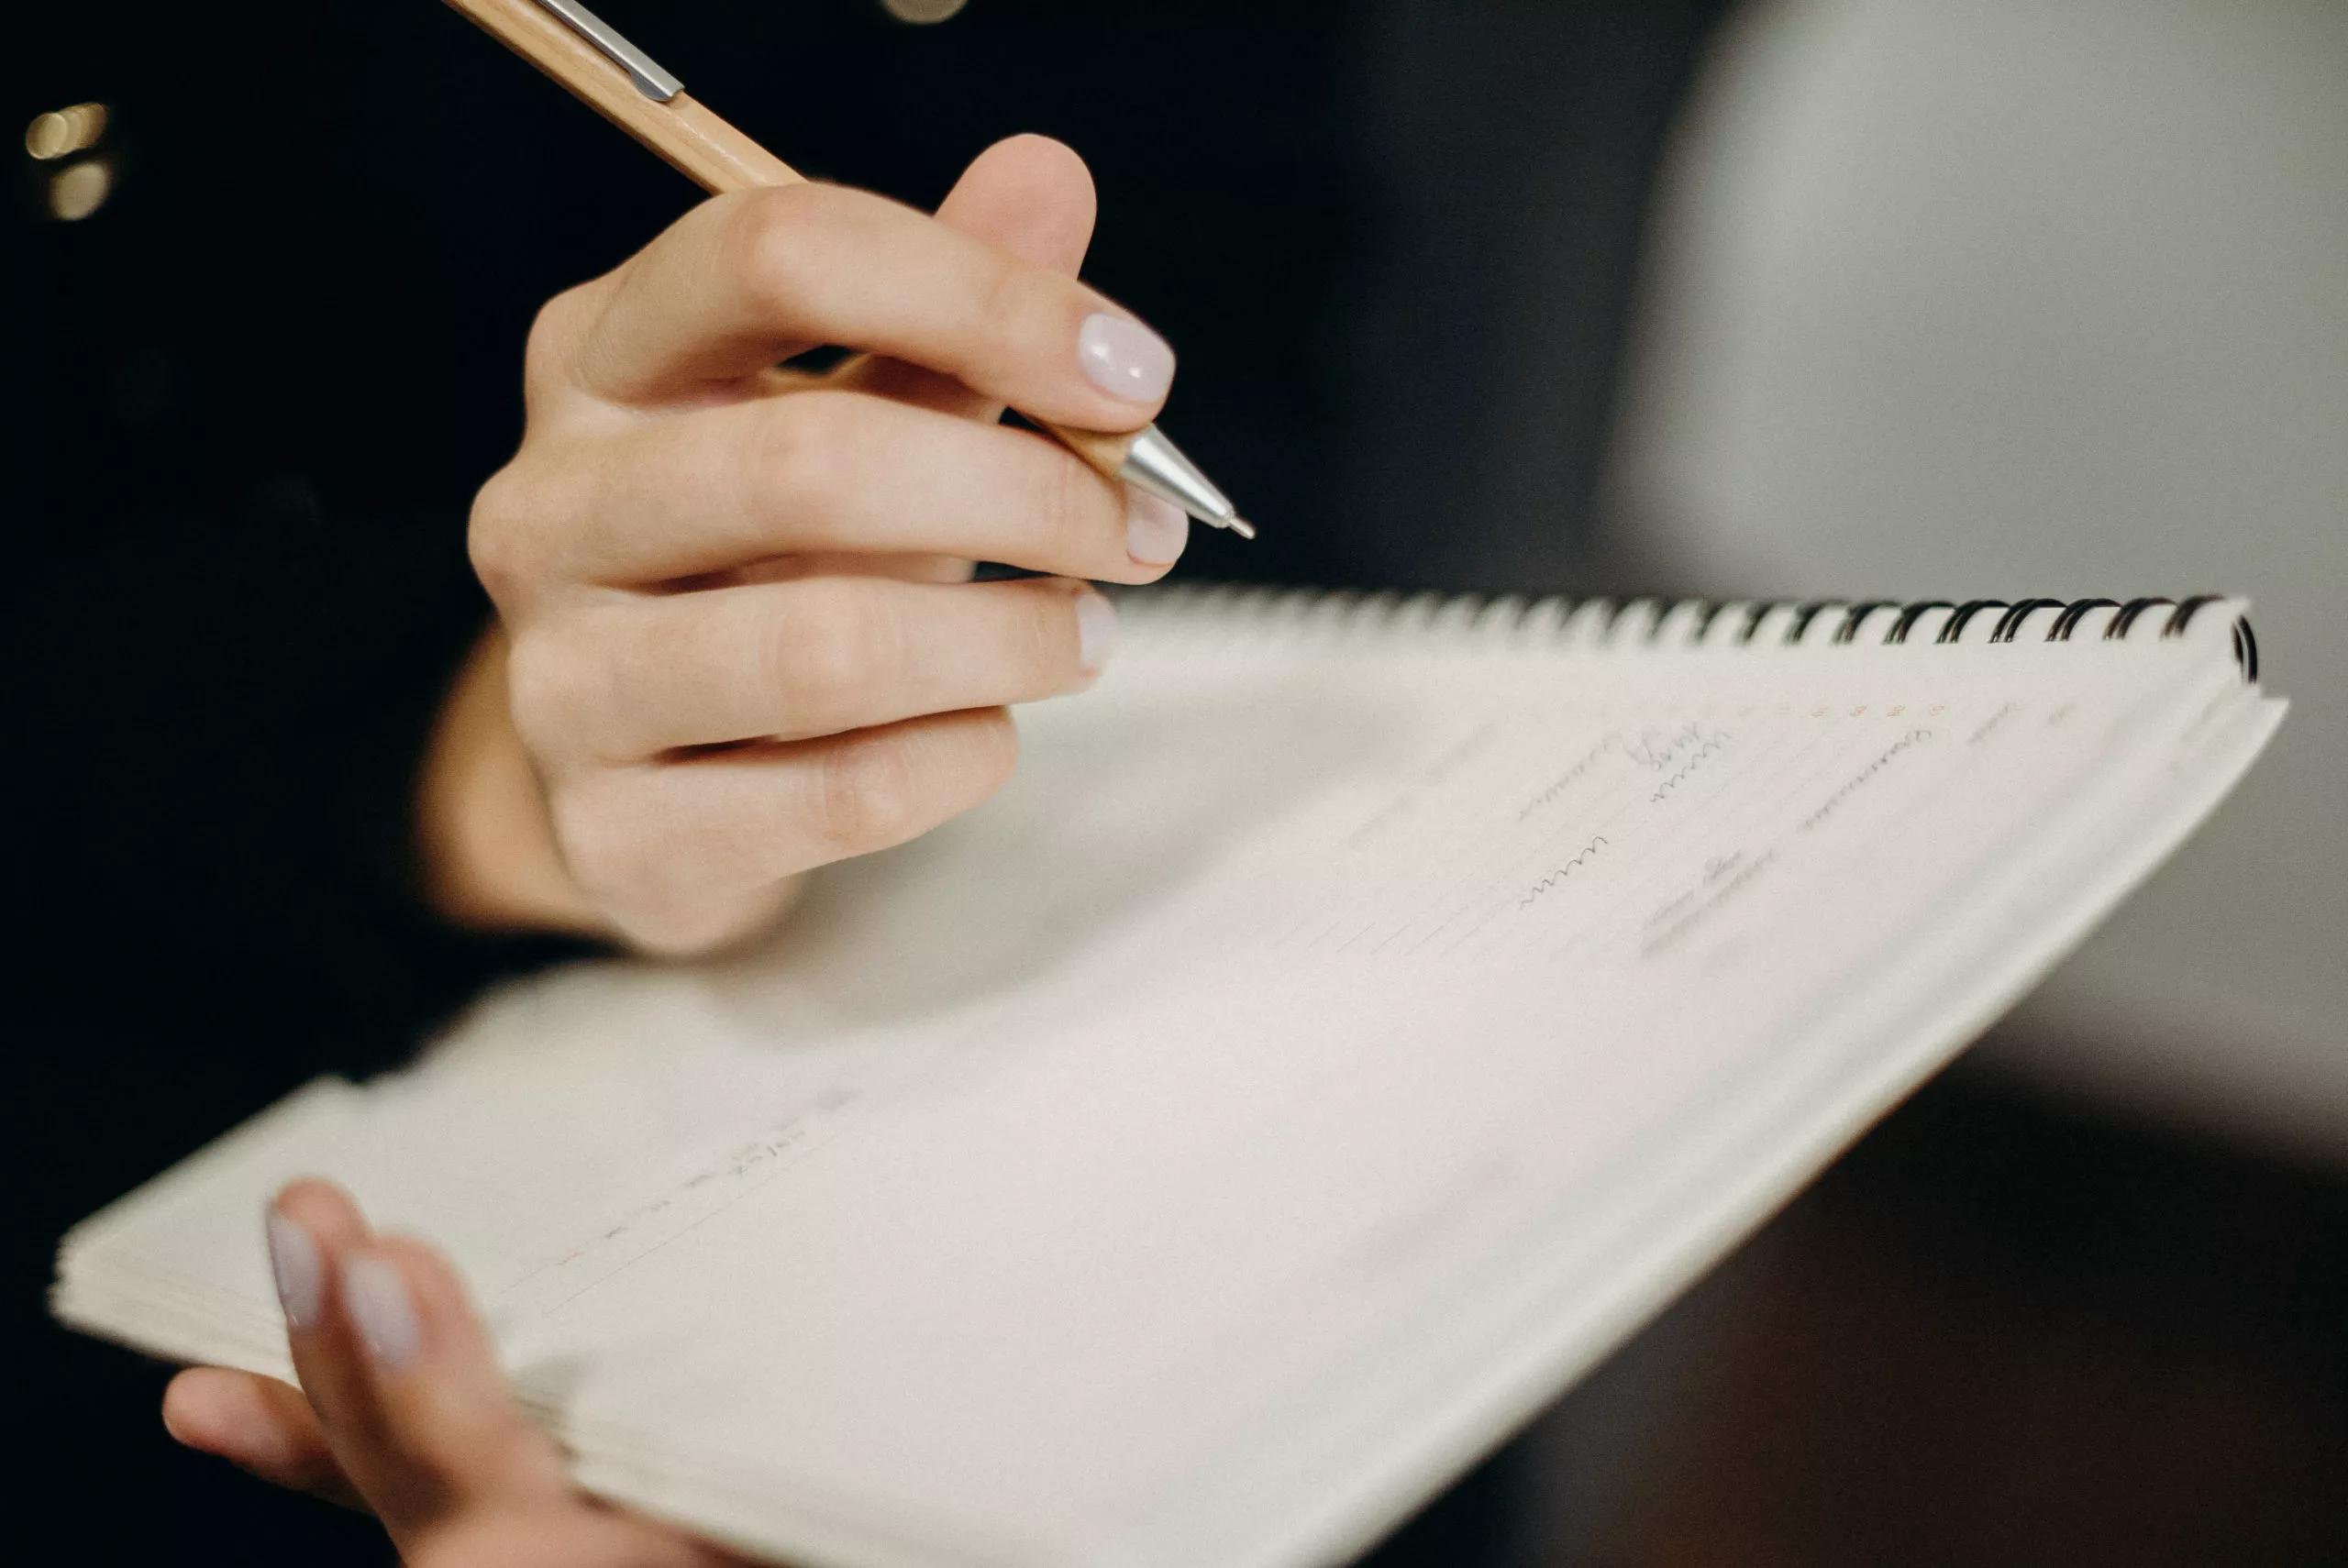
x=1005, y=290
x=604, y=845
x=1071, y=504
x=781, y=243
x=868, y=793
x=544, y=689
x=805, y=456
x=665, y=880
x=832, y=644
x=524, y=530
x=555, y=332
x=498, y=536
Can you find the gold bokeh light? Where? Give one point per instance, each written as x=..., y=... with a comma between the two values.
x=922, y=10
x=80, y=189
x=62, y=131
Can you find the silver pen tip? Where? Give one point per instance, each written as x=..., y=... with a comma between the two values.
x=1155, y=464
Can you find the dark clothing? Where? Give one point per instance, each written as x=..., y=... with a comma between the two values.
x=254, y=390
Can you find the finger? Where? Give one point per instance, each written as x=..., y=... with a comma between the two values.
x=258, y=1424
x=749, y=279
x=572, y=1537
x=1027, y=194
x=630, y=681
x=683, y=856
x=844, y=563
x=400, y=1374
x=453, y=1441
x=816, y=472
x=309, y=1226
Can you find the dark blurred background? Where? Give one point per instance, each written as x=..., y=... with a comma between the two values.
x=1857, y=296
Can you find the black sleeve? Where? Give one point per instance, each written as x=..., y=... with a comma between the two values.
x=216, y=758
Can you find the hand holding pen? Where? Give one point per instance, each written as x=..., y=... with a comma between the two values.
x=728, y=650
x=735, y=638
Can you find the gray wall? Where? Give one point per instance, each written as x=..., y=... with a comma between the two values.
x=2047, y=297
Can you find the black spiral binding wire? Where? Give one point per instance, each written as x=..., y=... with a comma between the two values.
x=1608, y=622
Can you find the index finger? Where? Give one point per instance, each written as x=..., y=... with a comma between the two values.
x=260, y=1425
x=405, y=1385
x=749, y=279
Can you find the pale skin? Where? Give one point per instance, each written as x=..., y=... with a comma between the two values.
x=735, y=641
x=430, y=1439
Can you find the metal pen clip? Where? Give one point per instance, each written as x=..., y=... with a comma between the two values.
x=642, y=70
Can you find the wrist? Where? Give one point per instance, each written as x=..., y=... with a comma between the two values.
x=491, y=862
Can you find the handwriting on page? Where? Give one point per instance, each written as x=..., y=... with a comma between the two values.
x=1594, y=841
x=677, y=1206
x=1557, y=876
x=1723, y=878
x=1891, y=753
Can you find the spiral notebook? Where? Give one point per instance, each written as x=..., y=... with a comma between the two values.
x=1354, y=1021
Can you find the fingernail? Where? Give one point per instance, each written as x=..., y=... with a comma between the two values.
x=1123, y=358
x=1156, y=529
x=301, y=1278
x=375, y=1294
x=1096, y=631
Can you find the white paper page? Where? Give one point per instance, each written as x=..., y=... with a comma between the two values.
x=1323, y=1049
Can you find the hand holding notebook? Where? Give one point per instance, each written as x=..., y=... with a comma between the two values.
x=403, y=1411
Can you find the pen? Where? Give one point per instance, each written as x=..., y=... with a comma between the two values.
x=583, y=53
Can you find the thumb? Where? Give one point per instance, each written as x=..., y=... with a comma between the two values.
x=1027, y=194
